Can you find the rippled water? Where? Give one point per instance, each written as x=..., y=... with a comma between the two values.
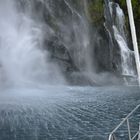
x=64, y=113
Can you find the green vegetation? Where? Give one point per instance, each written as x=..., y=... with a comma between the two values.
x=136, y=8
x=96, y=11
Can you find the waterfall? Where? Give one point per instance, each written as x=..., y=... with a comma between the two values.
x=68, y=39
x=120, y=36
x=41, y=43
x=54, y=43
x=115, y=25
x=22, y=61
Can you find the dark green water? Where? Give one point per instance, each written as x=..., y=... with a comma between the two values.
x=65, y=113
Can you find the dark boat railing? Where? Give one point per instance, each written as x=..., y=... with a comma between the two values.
x=126, y=120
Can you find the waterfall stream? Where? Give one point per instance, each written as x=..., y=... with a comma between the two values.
x=116, y=27
x=119, y=32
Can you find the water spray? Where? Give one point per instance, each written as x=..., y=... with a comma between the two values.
x=134, y=37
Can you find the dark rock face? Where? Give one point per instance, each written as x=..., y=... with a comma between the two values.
x=60, y=55
x=59, y=52
x=102, y=51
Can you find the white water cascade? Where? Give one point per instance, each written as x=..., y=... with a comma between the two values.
x=22, y=62
x=127, y=55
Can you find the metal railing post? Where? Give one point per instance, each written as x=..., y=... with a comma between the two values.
x=110, y=137
x=134, y=37
x=139, y=132
x=128, y=126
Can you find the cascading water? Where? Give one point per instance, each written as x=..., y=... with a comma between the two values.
x=21, y=58
x=127, y=55
x=115, y=24
x=37, y=44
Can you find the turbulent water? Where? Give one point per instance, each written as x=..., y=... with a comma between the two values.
x=65, y=113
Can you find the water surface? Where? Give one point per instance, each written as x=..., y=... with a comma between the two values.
x=64, y=113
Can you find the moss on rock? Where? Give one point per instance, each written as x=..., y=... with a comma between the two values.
x=96, y=11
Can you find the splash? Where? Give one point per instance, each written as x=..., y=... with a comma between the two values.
x=22, y=61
